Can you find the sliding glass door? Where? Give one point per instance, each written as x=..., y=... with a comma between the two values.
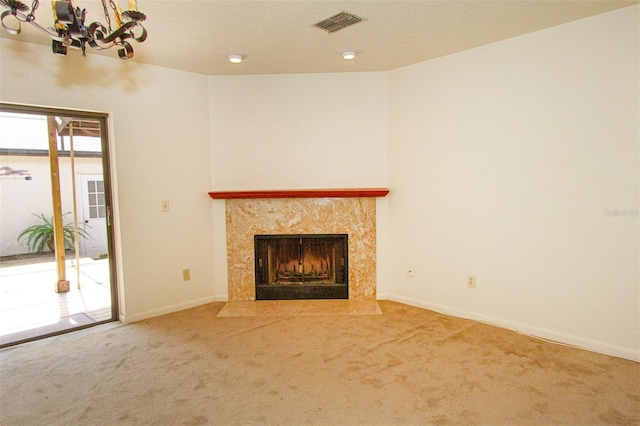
x=57, y=268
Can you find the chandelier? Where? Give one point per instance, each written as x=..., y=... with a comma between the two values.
x=70, y=30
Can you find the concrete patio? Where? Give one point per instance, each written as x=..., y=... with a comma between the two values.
x=29, y=305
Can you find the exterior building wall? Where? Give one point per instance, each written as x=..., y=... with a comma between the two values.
x=20, y=198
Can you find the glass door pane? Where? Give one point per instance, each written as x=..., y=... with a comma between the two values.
x=33, y=302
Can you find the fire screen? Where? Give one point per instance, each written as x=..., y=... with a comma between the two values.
x=309, y=266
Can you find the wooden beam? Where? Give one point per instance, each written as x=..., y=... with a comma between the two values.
x=62, y=284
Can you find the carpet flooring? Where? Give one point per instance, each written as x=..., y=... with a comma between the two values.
x=407, y=366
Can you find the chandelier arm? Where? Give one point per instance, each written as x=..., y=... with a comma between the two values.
x=126, y=52
x=96, y=37
x=142, y=37
x=96, y=46
x=53, y=36
x=120, y=33
x=21, y=17
x=12, y=31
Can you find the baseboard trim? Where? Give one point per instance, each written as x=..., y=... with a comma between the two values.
x=221, y=298
x=128, y=319
x=529, y=330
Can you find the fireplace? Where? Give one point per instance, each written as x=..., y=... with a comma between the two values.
x=246, y=218
x=301, y=266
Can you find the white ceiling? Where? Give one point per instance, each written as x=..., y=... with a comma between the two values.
x=278, y=36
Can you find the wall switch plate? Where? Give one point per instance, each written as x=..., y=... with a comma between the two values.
x=164, y=206
x=471, y=281
x=186, y=275
x=411, y=271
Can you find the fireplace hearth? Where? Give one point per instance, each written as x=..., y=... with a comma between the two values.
x=301, y=266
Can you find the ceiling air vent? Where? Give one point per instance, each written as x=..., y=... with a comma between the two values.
x=338, y=22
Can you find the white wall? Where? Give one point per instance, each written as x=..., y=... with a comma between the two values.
x=507, y=162
x=161, y=151
x=297, y=132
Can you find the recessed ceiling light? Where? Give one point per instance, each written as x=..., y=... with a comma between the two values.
x=349, y=55
x=236, y=58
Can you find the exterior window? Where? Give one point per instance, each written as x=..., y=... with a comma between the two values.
x=95, y=191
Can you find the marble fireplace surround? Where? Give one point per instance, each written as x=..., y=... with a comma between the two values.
x=334, y=211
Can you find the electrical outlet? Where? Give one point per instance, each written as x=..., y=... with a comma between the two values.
x=471, y=281
x=164, y=206
x=186, y=275
x=411, y=271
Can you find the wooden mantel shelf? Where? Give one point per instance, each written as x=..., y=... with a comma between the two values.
x=302, y=193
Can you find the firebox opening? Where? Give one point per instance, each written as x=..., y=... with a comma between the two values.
x=307, y=266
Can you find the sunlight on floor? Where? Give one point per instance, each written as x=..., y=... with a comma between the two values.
x=28, y=299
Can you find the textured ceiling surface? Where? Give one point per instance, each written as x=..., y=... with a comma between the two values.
x=279, y=37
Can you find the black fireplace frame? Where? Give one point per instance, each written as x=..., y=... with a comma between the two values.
x=267, y=291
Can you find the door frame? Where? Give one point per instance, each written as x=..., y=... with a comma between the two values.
x=103, y=119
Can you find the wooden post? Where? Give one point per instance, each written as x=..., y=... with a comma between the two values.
x=62, y=284
x=76, y=239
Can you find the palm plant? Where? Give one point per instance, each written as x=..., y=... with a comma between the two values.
x=40, y=235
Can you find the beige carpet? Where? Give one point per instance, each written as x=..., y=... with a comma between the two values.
x=407, y=366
